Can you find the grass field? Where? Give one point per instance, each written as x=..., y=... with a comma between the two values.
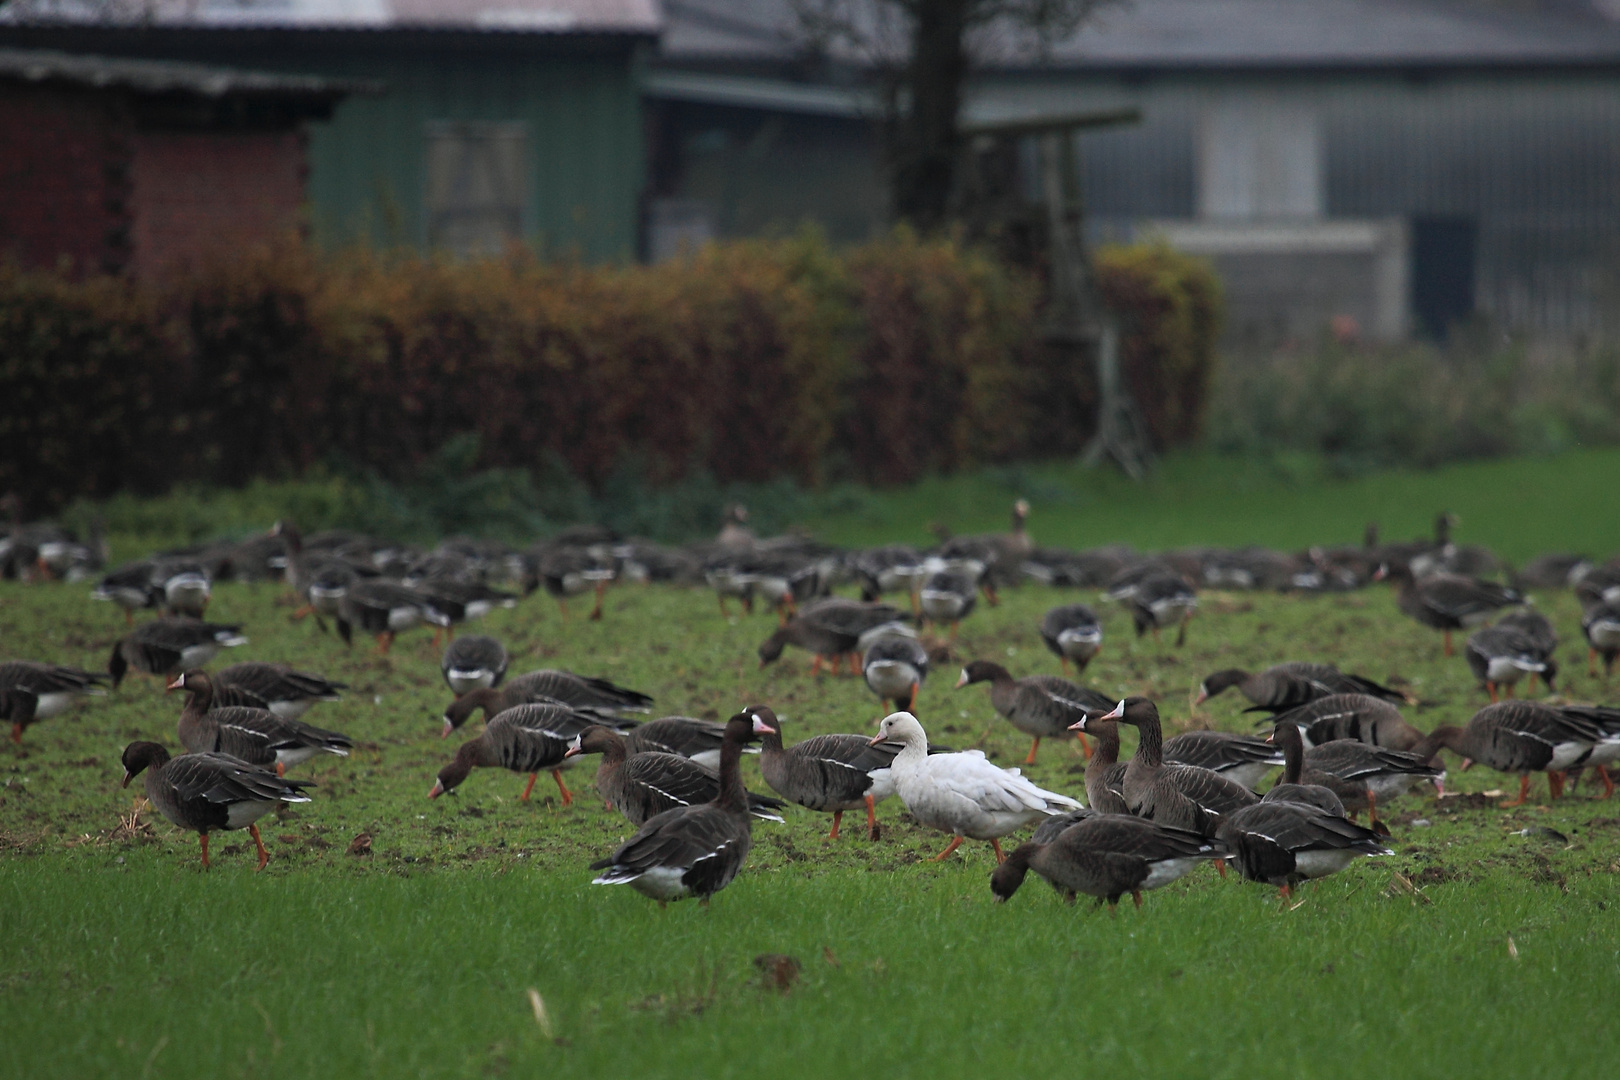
x=1474, y=948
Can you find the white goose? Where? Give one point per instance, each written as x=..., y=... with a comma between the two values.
x=963, y=793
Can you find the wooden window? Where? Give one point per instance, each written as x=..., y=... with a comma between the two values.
x=476, y=185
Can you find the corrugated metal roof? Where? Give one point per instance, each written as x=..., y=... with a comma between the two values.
x=1192, y=34
x=631, y=17
x=168, y=77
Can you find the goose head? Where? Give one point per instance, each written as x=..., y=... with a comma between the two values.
x=901, y=727
x=1218, y=682
x=140, y=756
x=1134, y=710
x=981, y=671
x=755, y=720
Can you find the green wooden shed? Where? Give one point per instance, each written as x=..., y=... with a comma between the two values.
x=494, y=120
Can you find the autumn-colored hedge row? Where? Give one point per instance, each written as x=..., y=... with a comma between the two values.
x=749, y=360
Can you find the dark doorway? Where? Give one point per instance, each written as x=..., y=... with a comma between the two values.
x=1442, y=272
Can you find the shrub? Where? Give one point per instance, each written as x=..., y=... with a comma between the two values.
x=745, y=362
x=1365, y=407
x=1169, y=308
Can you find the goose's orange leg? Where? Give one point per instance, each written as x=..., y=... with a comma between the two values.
x=1448, y=642
x=264, y=856
x=1000, y=856
x=872, y=830
x=204, y=838
x=601, y=591
x=1524, y=792
x=529, y=787
x=567, y=796
x=1036, y=745
x=1555, y=784
x=955, y=843
x=1137, y=896
x=1085, y=745
x=838, y=817
x=1608, y=782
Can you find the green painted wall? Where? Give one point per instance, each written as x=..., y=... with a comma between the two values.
x=583, y=120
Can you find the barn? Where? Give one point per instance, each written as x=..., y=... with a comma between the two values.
x=1391, y=166
x=498, y=121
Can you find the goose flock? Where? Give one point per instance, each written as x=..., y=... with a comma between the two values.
x=1339, y=739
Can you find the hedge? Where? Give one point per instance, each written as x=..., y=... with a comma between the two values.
x=750, y=360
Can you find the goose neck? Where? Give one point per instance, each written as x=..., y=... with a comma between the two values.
x=1150, y=751
x=732, y=794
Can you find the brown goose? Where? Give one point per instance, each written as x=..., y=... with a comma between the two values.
x=567, y=569
x=692, y=850
x=830, y=629
x=1105, y=773
x=49, y=688
x=949, y=595
x=1074, y=634
x=475, y=662
x=210, y=792
x=1107, y=856
x=385, y=609
x=320, y=579
x=1501, y=655
x=829, y=773
x=894, y=667
x=1282, y=842
x=683, y=736
x=1243, y=758
x=1522, y=737
x=998, y=556
x=17, y=708
x=285, y=692
x=1160, y=599
x=599, y=697
x=1359, y=774
x=458, y=600
x=1290, y=685
x=1041, y=706
x=256, y=736
x=1184, y=796
x=165, y=646
x=1447, y=602
x=526, y=739
x=643, y=784
x=1600, y=623
x=1353, y=716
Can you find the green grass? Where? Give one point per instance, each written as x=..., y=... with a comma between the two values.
x=118, y=956
x=1520, y=507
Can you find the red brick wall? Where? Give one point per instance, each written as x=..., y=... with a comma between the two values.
x=198, y=195
x=63, y=179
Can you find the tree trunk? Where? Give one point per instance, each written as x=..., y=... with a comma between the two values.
x=925, y=150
